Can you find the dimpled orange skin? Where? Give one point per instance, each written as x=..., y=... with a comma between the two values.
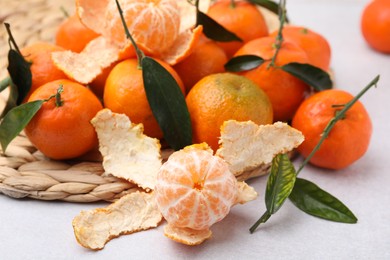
x=348, y=140
x=244, y=20
x=124, y=93
x=285, y=91
x=73, y=35
x=64, y=132
x=207, y=58
x=42, y=67
x=195, y=189
x=315, y=45
x=223, y=96
x=375, y=25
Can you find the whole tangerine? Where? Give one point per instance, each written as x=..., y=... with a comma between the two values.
x=219, y=97
x=375, y=25
x=61, y=129
x=349, y=138
x=124, y=93
x=285, y=91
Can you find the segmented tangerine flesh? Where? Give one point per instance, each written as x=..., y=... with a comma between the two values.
x=154, y=24
x=195, y=189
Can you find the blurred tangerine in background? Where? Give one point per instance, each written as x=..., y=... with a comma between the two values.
x=375, y=25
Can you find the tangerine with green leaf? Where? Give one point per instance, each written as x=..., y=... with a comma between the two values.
x=285, y=91
x=314, y=44
x=347, y=141
x=240, y=17
x=124, y=93
x=43, y=69
x=223, y=96
x=61, y=129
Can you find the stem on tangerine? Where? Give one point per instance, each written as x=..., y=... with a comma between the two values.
x=279, y=37
x=140, y=54
x=339, y=115
x=11, y=38
x=57, y=96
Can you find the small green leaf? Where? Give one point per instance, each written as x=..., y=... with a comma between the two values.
x=313, y=76
x=11, y=101
x=280, y=182
x=5, y=83
x=243, y=63
x=267, y=4
x=167, y=103
x=214, y=30
x=309, y=198
x=16, y=120
x=19, y=70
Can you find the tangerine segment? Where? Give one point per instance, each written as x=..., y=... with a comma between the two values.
x=195, y=189
x=154, y=24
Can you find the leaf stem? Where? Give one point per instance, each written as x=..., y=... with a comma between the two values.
x=279, y=37
x=140, y=54
x=335, y=119
x=262, y=219
x=11, y=37
x=4, y=83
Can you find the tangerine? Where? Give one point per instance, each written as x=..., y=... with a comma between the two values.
x=195, y=189
x=124, y=93
x=61, y=129
x=375, y=25
x=241, y=18
x=223, y=96
x=43, y=69
x=315, y=45
x=349, y=138
x=207, y=58
x=285, y=91
x=74, y=35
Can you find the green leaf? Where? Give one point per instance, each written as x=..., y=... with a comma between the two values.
x=167, y=103
x=213, y=30
x=313, y=76
x=309, y=198
x=270, y=5
x=19, y=70
x=280, y=182
x=5, y=83
x=16, y=120
x=243, y=63
x=12, y=99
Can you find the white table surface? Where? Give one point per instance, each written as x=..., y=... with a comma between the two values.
x=31, y=229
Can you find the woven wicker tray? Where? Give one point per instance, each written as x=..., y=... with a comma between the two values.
x=24, y=171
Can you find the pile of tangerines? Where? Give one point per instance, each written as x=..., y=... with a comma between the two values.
x=62, y=130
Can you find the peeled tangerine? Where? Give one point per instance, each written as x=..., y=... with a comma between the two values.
x=194, y=190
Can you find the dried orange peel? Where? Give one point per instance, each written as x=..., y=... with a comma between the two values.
x=127, y=152
x=163, y=29
x=132, y=213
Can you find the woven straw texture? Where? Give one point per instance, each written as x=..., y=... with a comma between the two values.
x=24, y=171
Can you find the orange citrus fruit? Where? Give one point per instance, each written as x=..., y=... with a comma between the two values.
x=73, y=35
x=243, y=19
x=195, y=189
x=349, y=138
x=315, y=45
x=375, y=25
x=42, y=67
x=207, y=58
x=220, y=97
x=285, y=91
x=62, y=130
x=124, y=93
